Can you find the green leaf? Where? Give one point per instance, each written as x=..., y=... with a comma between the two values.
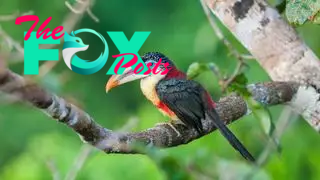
x=316, y=18
x=281, y=6
x=239, y=84
x=195, y=69
x=241, y=79
x=262, y=114
x=299, y=11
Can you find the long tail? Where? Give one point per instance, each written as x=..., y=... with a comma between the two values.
x=233, y=140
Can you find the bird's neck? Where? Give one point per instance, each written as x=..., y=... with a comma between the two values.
x=148, y=87
x=175, y=73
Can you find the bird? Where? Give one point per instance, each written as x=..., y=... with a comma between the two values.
x=183, y=100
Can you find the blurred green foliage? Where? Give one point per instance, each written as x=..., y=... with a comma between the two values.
x=180, y=30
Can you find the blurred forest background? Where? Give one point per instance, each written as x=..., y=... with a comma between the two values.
x=31, y=142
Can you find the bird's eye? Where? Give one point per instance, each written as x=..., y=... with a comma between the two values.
x=152, y=62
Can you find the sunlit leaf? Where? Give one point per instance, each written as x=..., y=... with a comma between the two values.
x=195, y=69
x=299, y=11
x=264, y=117
x=239, y=84
x=262, y=114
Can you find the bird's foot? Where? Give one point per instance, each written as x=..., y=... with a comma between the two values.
x=169, y=124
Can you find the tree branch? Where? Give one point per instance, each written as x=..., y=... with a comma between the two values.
x=275, y=45
x=229, y=108
x=260, y=29
x=13, y=16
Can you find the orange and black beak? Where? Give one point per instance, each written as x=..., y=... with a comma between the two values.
x=127, y=76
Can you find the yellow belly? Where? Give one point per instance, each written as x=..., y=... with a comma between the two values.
x=148, y=88
x=149, y=91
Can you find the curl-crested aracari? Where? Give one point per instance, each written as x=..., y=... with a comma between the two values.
x=184, y=101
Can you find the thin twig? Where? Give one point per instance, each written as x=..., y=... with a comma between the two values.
x=131, y=123
x=226, y=82
x=240, y=57
x=229, y=109
x=86, y=5
x=11, y=42
x=215, y=70
x=74, y=10
x=79, y=161
x=69, y=23
x=13, y=16
x=284, y=120
x=87, y=150
x=92, y=16
x=53, y=169
x=48, y=66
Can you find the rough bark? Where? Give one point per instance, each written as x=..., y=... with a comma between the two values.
x=229, y=108
x=275, y=45
x=259, y=28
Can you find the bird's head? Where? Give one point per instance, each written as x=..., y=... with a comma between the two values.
x=129, y=75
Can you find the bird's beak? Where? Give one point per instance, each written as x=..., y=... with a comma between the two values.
x=127, y=76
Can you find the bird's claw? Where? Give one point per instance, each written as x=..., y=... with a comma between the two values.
x=170, y=125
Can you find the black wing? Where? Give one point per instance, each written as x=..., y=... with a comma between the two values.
x=233, y=140
x=184, y=98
